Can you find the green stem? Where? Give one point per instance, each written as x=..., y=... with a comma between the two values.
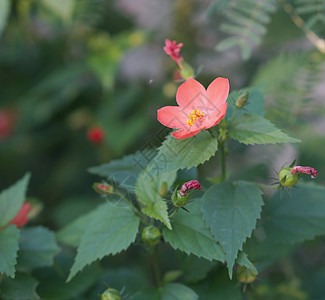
x=174, y=212
x=143, y=219
x=223, y=160
x=156, y=267
x=212, y=134
x=234, y=115
x=267, y=186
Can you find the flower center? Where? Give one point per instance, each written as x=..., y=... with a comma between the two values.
x=194, y=116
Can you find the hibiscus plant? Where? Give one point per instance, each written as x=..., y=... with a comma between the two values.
x=187, y=216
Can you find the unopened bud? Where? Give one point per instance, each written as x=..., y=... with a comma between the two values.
x=151, y=235
x=245, y=275
x=286, y=178
x=163, y=189
x=22, y=216
x=103, y=188
x=181, y=197
x=111, y=294
x=179, y=200
x=242, y=99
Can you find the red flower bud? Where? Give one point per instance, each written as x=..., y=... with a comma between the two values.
x=22, y=217
x=306, y=170
x=96, y=135
x=103, y=188
x=181, y=197
x=193, y=184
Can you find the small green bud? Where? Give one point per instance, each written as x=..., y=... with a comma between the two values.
x=245, y=275
x=179, y=200
x=103, y=188
x=242, y=99
x=163, y=189
x=186, y=70
x=111, y=294
x=286, y=178
x=151, y=235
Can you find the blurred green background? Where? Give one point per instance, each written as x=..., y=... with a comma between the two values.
x=67, y=66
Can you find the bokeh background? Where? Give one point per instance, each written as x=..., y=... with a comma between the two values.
x=71, y=65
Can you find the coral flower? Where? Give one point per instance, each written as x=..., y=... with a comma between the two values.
x=172, y=49
x=22, y=216
x=198, y=108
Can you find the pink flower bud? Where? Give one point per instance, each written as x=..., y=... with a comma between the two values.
x=193, y=184
x=172, y=49
x=103, y=188
x=306, y=170
x=22, y=217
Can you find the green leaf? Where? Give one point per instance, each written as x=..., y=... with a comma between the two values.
x=22, y=287
x=112, y=230
x=11, y=200
x=4, y=14
x=9, y=241
x=243, y=260
x=194, y=268
x=52, y=283
x=158, y=210
x=37, y=248
x=246, y=24
x=227, y=43
x=177, y=154
x=73, y=232
x=126, y=170
x=191, y=235
x=253, y=129
x=218, y=286
x=177, y=291
x=231, y=210
x=146, y=294
x=296, y=216
x=148, y=187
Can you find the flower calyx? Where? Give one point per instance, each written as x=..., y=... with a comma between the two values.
x=288, y=177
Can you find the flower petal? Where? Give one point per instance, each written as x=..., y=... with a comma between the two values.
x=172, y=116
x=184, y=133
x=218, y=91
x=215, y=117
x=191, y=94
